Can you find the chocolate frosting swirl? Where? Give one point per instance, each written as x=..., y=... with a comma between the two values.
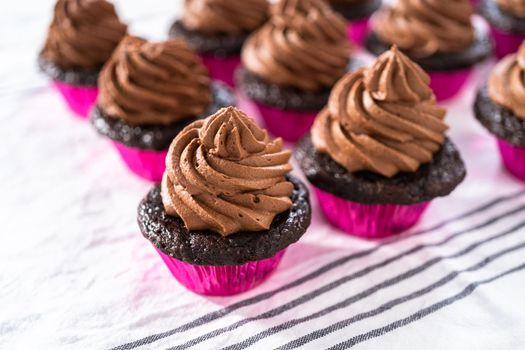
x=154, y=83
x=304, y=45
x=224, y=174
x=383, y=118
x=83, y=34
x=422, y=28
x=224, y=16
x=507, y=83
x=515, y=7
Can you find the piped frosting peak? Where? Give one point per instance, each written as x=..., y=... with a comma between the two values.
x=382, y=119
x=426, y=27
x=226, y=175
x=303, y=45
x=507, y=82
x=154, y=82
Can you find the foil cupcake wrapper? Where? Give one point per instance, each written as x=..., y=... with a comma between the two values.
x=290, y=125
x=222, y=69
x=221, y=280
x=80, y=99
x=357, y=30
x=366, y=220
x=149, y=165
x=513, y=158
x=447, y=85
x=504, y=42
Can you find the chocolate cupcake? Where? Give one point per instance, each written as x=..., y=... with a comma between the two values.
x=439, y=35
x=227, y=207
x=149, y=91
x=81, y=38
x=291, y=63
x=217, y=29
x=357, y=13
x=500, y=107
x=507, y=23
x=378, y=154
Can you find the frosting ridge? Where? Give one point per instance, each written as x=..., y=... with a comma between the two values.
x=507, y=82
x=225, y=174
x=426, y=27
x=382, y=119
x=154, y=82
x=303, y=45
x=224, y=16
x=83, y=34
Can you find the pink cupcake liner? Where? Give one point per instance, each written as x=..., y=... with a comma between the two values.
x=448, y=84
x=222, y=69
x=504, y=42
x=149, y=165
x=221, y=280
x=357, y=30
x=288, y=124
x=366, y=220
x=80, y=99
x=513, y=158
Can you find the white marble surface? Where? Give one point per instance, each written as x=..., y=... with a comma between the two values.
x=76, y=273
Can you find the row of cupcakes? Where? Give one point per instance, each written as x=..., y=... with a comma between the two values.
x=150, y=91
x=438, y=35
x=218, y=28
x=228, y=208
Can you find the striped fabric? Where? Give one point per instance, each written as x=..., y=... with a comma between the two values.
x=77, y=274
x=368, y=293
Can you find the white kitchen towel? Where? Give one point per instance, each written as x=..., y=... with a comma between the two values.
x=77, y=274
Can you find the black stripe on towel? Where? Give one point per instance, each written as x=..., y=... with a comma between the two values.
x=212, y=316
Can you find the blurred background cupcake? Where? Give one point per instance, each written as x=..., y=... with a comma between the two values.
x=227, y=208
x=80, y=39
x=217, y=29
x=439, y=35
x=377, y=154
x=500, y=107
x=507, y=23
x=291, y=63
x=149, y=91
x=357, y=13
